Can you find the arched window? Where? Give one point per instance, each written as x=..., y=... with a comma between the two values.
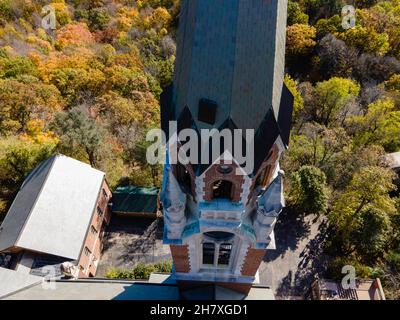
x=183, y=177
x=222, y=189
x=217, y=249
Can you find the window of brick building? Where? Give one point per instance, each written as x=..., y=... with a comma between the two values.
x=93, y=230
x=105, y=194
x=100, y=212
x=86, y=251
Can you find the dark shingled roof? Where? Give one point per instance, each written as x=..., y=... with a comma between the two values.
x=131, y=199
x=285, y=114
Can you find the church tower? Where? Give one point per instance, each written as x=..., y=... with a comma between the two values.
x=229, y=74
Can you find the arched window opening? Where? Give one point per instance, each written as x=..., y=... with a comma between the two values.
x=184, y=178
x=222, y=189
x=217, y=249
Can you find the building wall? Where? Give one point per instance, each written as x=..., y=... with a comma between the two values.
x=89, y=259
x=180, y=256
x=253, y=260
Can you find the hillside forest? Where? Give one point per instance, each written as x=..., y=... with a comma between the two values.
x=90, y=89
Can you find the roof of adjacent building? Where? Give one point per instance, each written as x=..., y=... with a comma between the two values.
x=365, y=289
x=394, y=159
x=53, y=208
x=159, y=287
x=13, y=281
x=131, y=199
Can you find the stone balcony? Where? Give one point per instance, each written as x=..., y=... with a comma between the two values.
x=221, y=209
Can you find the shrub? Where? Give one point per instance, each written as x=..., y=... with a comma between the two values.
x=393, y=260
x=142, y=271
x=114, y=273
x=164, y=266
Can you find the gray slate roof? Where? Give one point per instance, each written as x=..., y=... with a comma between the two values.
x=231, y=52
x=53, y=208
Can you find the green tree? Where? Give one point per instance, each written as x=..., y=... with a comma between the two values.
x=298, y=99
x=332, y=96
x=366, y=199
x=78, y=132
x=19, y=157
x=366, y=39
x=98, y=18
x=371, y=238
x=309, y=190
x=11, y=67
x=380, y=125
x=295, y=15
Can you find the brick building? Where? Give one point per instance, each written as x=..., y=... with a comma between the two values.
x=59, y=215
x=229, y=75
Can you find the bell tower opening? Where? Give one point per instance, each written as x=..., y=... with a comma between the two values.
x=183, y=177
x=222, y=189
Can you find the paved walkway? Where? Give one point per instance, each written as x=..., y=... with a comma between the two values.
x=130, y=240
x=289, y=269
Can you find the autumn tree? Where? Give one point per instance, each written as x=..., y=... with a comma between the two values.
x=300, y=39
x=22, y=101
x=379, y=125
x=331, y=99
x=19, y=157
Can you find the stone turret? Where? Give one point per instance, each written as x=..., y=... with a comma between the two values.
x=269, y=206
x=174, y=203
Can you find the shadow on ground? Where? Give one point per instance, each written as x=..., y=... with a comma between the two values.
x=129, y=240
x=312, y=261
x=290, y=228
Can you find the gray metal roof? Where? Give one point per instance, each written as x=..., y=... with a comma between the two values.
x=13, y=281
x=159, y=287
x=394, y=159
x=53, y=208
